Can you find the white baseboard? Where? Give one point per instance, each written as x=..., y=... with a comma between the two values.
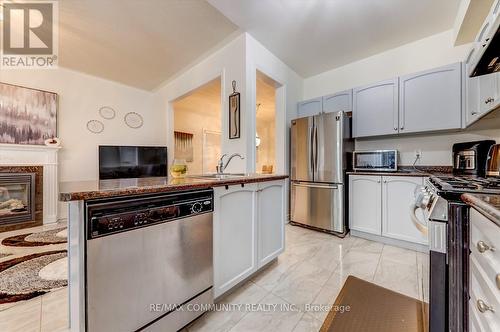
x=393, y=242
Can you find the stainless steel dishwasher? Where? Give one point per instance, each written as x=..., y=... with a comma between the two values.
x=148, y=261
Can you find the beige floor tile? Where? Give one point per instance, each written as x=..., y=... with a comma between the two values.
x=359, y=264
x=220, y=321
x=401, y=278
x=55, y=311
x=326, y=297
x=276, y=272
x=276, y=316
x=329, y=255
x=423, y=276
x=366, y=246
x=307, y=323
x=302, y=284
x=23, y=317
x=401, y=255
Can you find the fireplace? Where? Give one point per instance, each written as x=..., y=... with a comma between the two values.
x=17, y=198
x=21, y=197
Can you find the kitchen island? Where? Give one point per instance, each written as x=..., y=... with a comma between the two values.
x=249, y=213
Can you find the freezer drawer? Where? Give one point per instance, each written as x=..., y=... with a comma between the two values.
x=318, y=205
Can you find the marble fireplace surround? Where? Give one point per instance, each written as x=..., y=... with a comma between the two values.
x=37, y=155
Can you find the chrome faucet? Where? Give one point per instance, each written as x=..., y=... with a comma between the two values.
x=221, y=166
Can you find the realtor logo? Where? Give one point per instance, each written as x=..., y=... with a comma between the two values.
x=29, y=34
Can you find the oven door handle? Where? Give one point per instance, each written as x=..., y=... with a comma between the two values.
x=423, y=228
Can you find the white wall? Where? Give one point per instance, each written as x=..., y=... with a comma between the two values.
x=433, y=51
x=287, y=96
x=80, y=97
x=194, y=122
x=423, y=54
x=228, y=63
x=238, y=60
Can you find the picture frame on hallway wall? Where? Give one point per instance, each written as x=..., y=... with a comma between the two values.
x=234, y=113
x=27, y=116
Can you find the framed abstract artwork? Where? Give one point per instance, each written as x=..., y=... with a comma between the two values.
x=27, y=116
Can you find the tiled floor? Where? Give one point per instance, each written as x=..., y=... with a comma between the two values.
x=48, y=312
x=312, y=270
x=309, y=275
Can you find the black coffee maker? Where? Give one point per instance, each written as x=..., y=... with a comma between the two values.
x=469, y=158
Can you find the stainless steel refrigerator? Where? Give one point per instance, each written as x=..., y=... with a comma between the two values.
x=321, y=151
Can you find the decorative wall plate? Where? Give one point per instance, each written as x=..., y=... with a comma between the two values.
x=133, y=120
x=107, y=112
x=95, y=126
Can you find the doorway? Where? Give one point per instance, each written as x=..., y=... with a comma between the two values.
x=197, y=128
x=265, y=114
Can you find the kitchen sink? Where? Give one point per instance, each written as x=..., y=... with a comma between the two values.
x=221, y=176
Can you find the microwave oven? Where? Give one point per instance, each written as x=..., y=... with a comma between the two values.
x=377, y=160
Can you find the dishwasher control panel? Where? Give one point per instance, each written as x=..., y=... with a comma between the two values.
x=118, y=215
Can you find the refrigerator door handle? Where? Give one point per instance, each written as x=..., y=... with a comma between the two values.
x=314, y=185
x=311, y=151
x=316, y=164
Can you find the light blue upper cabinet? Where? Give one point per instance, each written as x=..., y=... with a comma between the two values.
x=340, y=101
x=310, y=107
x=375, y=109
x=431, y=100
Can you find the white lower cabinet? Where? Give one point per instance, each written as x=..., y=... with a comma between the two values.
x=249, y=226
x=365, y=203
x=397, y=196
x=380, y=206
x=271, y=206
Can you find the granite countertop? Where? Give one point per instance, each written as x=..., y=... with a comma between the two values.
x=84, y=190
x=408, y=171
x=487, y=205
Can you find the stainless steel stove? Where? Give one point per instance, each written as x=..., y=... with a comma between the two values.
x=461, y=184
x=447, y=224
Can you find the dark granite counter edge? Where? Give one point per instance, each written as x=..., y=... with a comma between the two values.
x=423, y=171
x=93, y=194
x=479, y=203
x=379, y=173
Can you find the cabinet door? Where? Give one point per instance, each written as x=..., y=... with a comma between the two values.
x=235, y=230
x=375, y=109
x=271, y=214
x=488, y=92
x=397, y=197
x=431, y=100
x=365, y=203
x=310, y=107
x=340, y=101
x=472, y=107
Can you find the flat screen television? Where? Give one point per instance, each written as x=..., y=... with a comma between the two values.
x=119, y=162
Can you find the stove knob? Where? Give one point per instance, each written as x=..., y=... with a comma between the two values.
x=196, y=208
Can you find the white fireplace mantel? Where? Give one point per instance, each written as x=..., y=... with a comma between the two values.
x=37, y=155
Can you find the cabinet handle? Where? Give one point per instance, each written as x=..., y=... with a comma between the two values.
x=483, y=307
x=396, y=128
x=378, y=181
x=385, y=181
x=402, y=127
x=473, y=113
x=497, y=280
x=482, y=247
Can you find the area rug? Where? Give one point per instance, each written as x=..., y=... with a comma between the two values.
x=29, y=276
x=362, y=306
x=53, y=236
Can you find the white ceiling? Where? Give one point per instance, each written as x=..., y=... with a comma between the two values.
x=138, y=43
x=206, y=100
x=313, y=36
